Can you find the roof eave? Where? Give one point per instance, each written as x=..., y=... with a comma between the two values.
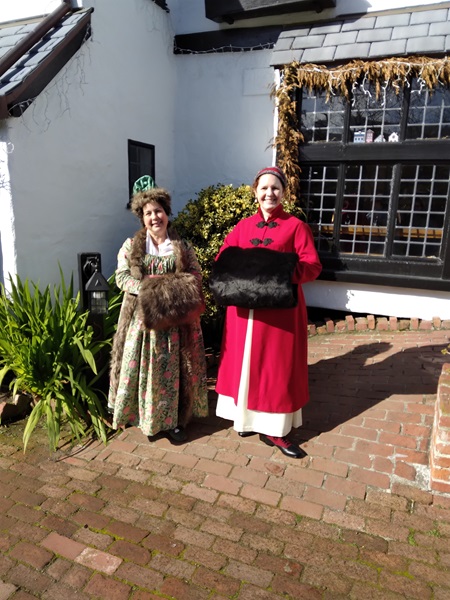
x=17, y=100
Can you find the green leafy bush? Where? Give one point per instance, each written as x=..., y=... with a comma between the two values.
x=205, y=222
x=48, y=345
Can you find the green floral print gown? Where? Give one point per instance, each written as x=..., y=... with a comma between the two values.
x=149, y=383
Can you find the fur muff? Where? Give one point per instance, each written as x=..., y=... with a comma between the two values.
x=170, y=300
x=254, y=278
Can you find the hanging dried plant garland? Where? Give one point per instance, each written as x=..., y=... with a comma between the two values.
x=393, y=71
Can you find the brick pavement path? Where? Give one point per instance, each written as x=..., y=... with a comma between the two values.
x=228, y=518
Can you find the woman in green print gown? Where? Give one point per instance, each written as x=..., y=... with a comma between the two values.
x=158, y=375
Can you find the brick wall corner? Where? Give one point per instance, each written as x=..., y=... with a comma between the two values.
x=440, y=436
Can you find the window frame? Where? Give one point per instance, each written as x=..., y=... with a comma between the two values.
x=373, y=269
x=141, y=168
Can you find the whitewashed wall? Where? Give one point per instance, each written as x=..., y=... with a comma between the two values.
x=8, y=256
x=378, y=300
x=224, y=120
x=69, y=168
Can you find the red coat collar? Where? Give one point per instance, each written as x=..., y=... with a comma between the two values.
x=274, y=215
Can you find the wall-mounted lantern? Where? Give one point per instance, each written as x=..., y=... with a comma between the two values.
x=94, y=287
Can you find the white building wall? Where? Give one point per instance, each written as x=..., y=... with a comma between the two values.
x=69, y=167
x=8, y=258
x=378, y=300
x=224, y=120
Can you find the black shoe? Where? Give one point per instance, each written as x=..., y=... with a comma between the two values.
x=178, y=434
x=246, y=433
x=286, y=447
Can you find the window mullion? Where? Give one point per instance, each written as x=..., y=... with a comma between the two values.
x=405, y=111
x=339, y=203
x=393, y=207
x=348, y=105
x=445, y=250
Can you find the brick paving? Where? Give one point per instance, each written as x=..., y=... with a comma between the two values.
x=224, y=517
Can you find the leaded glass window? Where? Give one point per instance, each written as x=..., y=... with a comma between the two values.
x=375, y=178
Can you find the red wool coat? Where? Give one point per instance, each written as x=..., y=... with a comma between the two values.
x=278, y=367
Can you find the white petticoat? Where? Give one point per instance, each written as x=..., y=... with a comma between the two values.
x=277, y=424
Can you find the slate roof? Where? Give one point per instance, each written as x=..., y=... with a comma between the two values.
x=368, y=37
x=36, y=67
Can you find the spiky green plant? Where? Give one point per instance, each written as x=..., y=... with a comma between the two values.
x=48, y=345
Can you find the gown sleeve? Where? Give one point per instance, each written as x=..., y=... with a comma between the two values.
x=124, y=280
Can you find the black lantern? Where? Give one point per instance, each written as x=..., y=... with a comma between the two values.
x=94, y=287
x=97, y=289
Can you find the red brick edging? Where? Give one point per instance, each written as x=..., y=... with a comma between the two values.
x=371, y=323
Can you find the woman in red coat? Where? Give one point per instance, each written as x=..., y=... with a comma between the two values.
x=263, y=374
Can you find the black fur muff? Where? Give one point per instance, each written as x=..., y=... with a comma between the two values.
x=254, y=278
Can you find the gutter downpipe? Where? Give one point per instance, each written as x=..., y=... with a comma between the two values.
x=17, y=51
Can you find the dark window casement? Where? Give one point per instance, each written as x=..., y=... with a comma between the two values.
x=141, y=161
x=230, y=10
x=376, y=181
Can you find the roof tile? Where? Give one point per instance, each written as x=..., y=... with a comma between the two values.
x=358, y=24
x=17, y=75
x=312, y=41
x=285, y=43
x=333, y=39
x=395, y=20
x=392, y=48
x=10, y=40
x=297, y=33
x=429, y=16
x=426, y=44
x=440, y=28
x=327, y=28
x=285, y=57
x=351, y=50
x=395, y=34
x=411, y=31
x=13, y=30
x=319, y=54
x=375, y=35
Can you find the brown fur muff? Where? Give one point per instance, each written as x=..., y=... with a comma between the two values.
x=170, y=300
